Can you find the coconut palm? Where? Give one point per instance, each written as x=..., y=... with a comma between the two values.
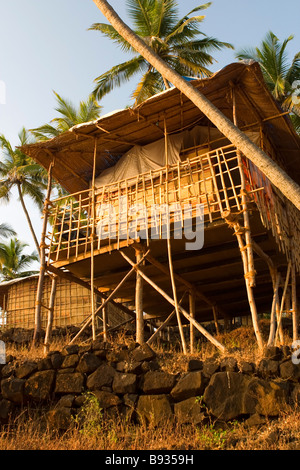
x=68, y=117
x=6, y=231
x=19, y=171
x=13, y=261
x=176, y=40
x=281, y=76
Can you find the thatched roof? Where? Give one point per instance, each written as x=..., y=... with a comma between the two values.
x=117, y=132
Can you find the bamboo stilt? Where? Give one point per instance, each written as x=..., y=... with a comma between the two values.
x=248, y=246
x=140, y=339
x=273, y=312
x=92, y=243
x=104, y=321
x=279, y=324
x=294, y=305
x=192, y=308
x=170, y=253
x=232, y=222
x=39, y=293
x=171, y=301
x=215, y=314
x=48, y=335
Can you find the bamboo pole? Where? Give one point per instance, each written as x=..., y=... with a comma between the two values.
x=39, y=293
x=248, y=238
x=192, y=308
x=238, y=230
x=279, y=324
x=294, y=305
x=171, y=301
x=171, y=269
x=140, y=337
x=104, y=321
x=92, y=242
x=48, y=335
x=273, y=312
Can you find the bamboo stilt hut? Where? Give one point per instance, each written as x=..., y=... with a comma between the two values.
x=137, y=178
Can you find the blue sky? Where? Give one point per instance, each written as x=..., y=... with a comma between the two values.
x=46, y=46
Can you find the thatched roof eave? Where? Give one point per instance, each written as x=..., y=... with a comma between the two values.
x=120, y=130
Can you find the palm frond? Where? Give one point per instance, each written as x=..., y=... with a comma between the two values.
x=118, y=75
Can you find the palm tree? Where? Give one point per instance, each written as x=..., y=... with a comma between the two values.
x=6, y=231
x=281, y=75
x=69, y=116
x=19, y=171
x=175, y=40
x=13, y=261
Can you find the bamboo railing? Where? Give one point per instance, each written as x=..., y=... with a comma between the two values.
x=124, y=210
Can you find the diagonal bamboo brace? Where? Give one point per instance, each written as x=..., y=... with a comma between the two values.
x=171, y=301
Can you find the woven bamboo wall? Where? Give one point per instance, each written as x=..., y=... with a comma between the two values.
x=72, y=304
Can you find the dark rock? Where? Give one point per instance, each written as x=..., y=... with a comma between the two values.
x=194, y=364
x=149, y=365
x=26, y=369
x=56, y=359
x=190, y=385
x=154, y=409
x=189, y=411
x=295, y=395
x=228, y=364
x=124, y=383
x=274, y=353
x=8, y=369
x=255, y=420
x=66, y=401
x=70, y=349
x=158, y=382
x=88, y=363
x=101, y=377
x=210, y=367
x=224, y=395
x=6, y=408
x=143, y=353
x=269, y=397
x=69, y=383
x=289, y=370
x=246, y=367
x=12, y=389
x=117, y=355
x=133, y=367
x=70, y=361
x=230, y=395
x=39, y=386
x=268, y=368
x=44, y=364
x=60, y=418
x=107, y=399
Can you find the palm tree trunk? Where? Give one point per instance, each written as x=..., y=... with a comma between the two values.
x=28, y=219
x=276, y=175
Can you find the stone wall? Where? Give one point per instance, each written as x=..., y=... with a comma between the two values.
x=128, y=382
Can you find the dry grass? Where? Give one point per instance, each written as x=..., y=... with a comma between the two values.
x=29, y=430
